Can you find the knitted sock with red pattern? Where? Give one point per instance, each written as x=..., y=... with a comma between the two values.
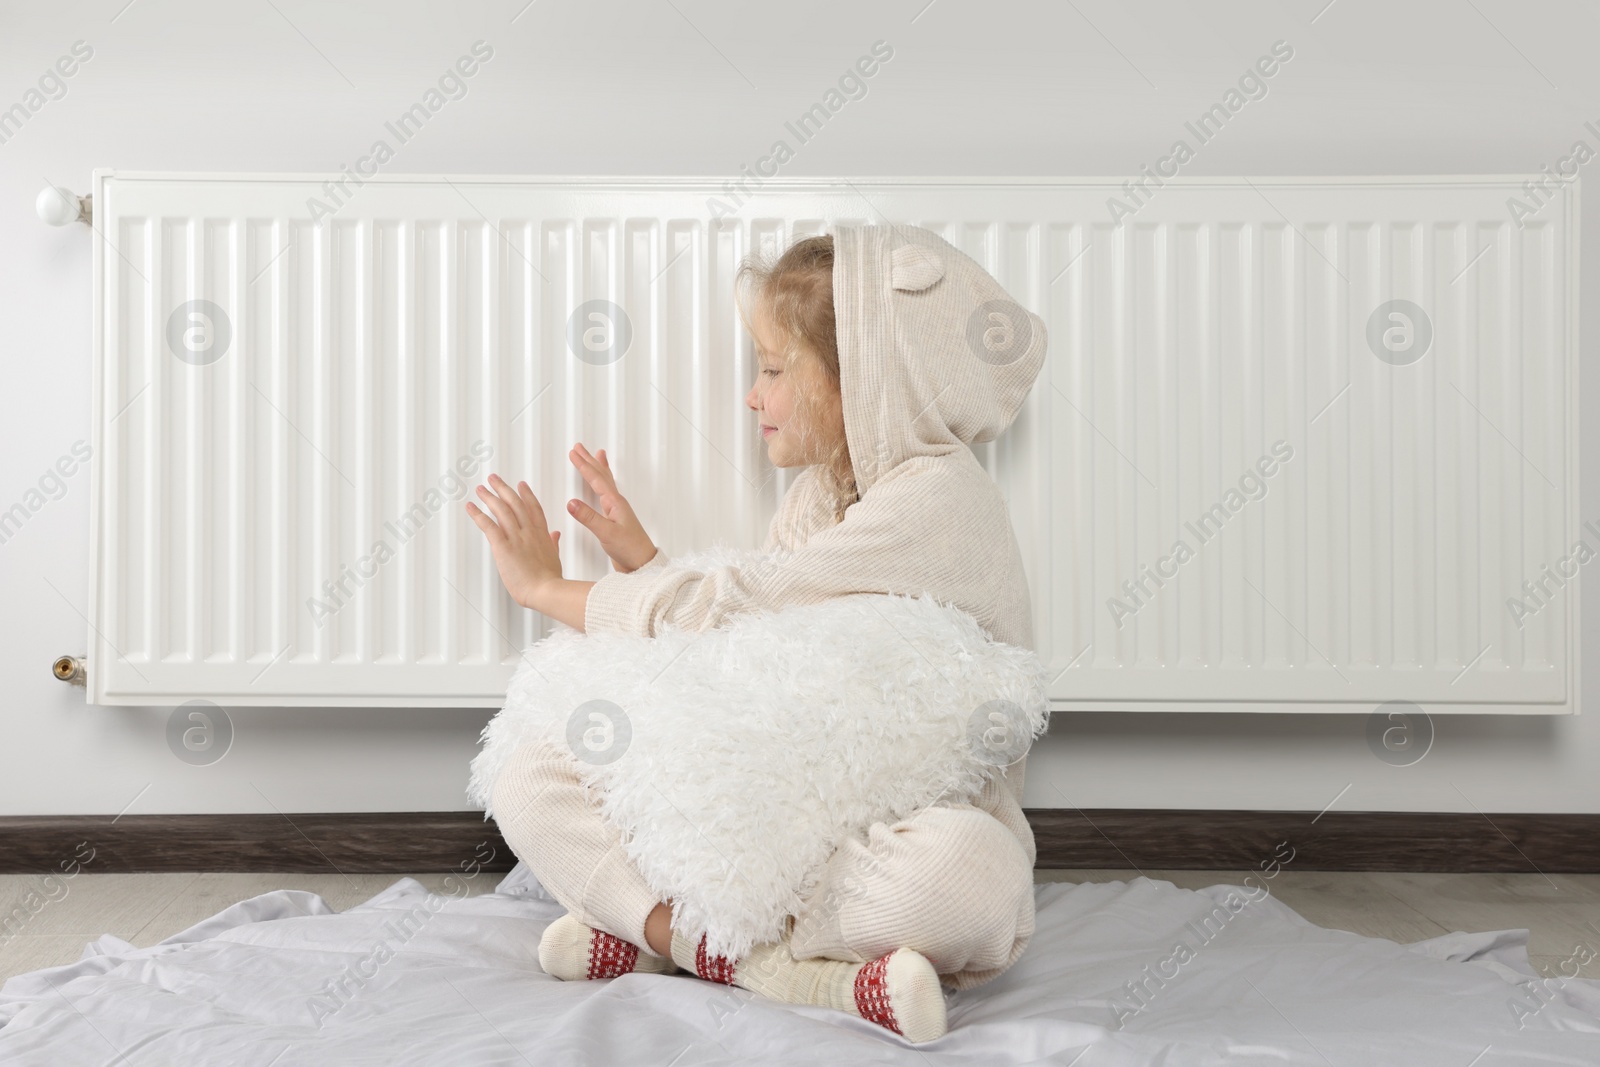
x=899, y=990
x=571, y=951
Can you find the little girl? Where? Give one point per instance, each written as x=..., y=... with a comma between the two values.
x=884, y=352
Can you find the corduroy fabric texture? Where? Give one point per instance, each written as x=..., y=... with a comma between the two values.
x=950, y=882
x=546, y=816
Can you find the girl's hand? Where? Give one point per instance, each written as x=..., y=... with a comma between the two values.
x=615, y=525
x=525, y=550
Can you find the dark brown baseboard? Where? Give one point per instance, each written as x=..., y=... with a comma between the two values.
x=398, y=842
x=1177, y=839
x=1117, y=838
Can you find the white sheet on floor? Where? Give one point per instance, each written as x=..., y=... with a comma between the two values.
x=461, y=984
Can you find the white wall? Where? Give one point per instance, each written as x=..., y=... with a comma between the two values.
x=702, y=87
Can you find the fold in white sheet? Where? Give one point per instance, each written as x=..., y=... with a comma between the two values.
x=459, y=983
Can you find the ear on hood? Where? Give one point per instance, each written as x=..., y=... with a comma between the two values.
x=934, y=355
x=912, y=269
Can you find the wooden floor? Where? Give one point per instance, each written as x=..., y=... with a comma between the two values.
x=1562, y=911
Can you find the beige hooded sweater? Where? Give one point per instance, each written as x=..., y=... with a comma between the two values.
x=933, y=356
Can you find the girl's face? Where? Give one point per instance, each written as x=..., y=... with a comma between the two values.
x=798, y=433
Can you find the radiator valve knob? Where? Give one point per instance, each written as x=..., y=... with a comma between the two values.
x=61, y=206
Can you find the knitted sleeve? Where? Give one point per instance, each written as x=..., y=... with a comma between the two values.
x=657, y=560
x=782, y=532
x=615, y=602
x=907, y=537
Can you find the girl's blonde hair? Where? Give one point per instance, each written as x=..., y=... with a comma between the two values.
x=797, y=287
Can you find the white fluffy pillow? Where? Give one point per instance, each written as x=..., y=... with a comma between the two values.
x=735, y=760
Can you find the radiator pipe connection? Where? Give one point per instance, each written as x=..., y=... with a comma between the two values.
x=70, y=669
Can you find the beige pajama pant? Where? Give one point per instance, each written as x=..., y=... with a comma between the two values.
x=952, y=882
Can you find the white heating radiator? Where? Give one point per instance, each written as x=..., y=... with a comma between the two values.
x=278, y=493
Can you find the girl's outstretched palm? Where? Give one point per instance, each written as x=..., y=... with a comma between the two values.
x=526, y=551
x=614, y=525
